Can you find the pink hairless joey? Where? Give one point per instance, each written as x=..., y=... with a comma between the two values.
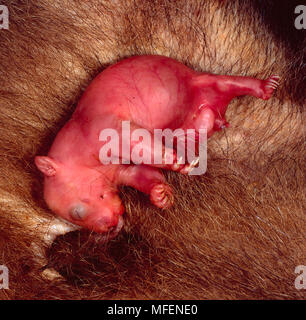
x=152, y=92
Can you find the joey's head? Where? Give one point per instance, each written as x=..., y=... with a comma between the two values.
x=81, y=195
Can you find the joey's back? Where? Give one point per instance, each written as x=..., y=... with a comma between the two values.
x=151, y=91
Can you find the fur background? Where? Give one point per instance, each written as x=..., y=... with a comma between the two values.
x=237, y=232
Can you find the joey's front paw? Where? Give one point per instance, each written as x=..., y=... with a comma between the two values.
x=161, y=196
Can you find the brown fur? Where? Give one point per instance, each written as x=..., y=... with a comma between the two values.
x=238, y=232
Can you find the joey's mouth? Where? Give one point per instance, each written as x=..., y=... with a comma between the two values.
x=119, y=225
x=106, y=236
x=113, y=232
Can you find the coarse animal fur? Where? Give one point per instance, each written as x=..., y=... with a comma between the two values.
x=237, y=232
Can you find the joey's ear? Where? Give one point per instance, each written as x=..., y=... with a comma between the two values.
x=46, y=165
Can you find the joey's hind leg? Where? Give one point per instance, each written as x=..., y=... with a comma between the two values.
x=148, y=180
x=214, y=93
x=238, y=86
x=229, y=87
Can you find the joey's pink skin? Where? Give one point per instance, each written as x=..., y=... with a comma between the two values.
x=153, y=92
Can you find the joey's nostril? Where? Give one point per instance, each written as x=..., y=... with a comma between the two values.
x=78, y=212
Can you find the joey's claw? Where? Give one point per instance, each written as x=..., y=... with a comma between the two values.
x=188, y=168
x=178, y=165
x=195, y=162
x=169, y=157
x=180, y=160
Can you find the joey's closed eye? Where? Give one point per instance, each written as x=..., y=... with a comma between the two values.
x=78, y=212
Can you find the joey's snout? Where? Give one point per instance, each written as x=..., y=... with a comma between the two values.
x=106, y=222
